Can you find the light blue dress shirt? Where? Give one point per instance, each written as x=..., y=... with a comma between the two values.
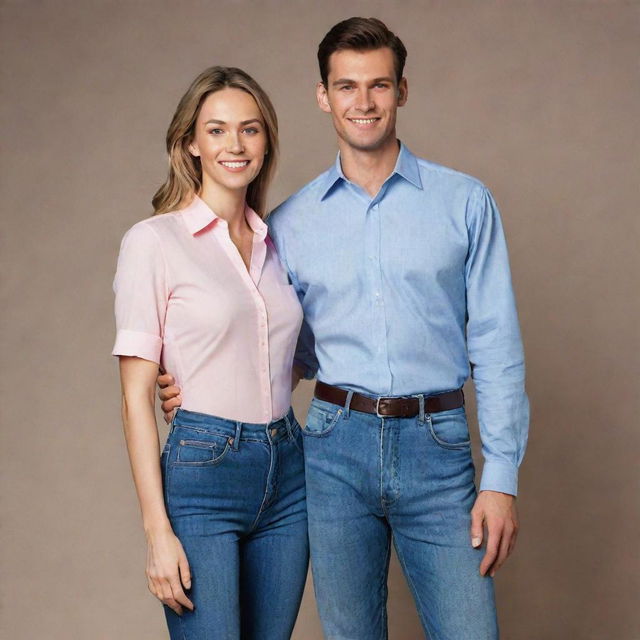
x=410, y=292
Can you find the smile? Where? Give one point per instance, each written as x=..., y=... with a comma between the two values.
x=363, y=121
x=236, y=164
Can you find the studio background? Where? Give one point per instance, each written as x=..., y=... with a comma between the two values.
x=540, y=100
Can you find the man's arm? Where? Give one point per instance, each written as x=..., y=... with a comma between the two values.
x=497, y=365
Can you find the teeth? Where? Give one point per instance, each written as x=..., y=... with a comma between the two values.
x=363, y=120
x=235, y=165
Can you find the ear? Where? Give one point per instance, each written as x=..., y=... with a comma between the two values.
x=323, y=98
x=194, y=150
x=403, y=92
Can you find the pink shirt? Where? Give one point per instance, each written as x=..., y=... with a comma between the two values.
x=185, y=300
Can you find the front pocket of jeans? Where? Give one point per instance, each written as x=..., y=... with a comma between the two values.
x=198, y=453
x=449, y=429
x=320, y=421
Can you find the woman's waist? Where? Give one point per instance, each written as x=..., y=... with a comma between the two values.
x=232, y=428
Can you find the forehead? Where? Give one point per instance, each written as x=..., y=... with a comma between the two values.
x=229, y=104
x=352, y=64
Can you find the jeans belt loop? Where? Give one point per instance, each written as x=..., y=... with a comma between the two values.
x=347, y=404
x=287, y=423
x=421, y=408
x=236, y=438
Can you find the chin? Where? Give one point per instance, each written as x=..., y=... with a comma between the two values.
x=366, y=145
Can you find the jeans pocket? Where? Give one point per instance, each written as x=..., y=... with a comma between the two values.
x=321, y=418
x=449, y=429
x=206, y=450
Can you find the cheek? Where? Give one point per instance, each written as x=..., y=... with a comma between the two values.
x=209, y=149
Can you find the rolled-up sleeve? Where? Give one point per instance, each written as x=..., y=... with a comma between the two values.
x=141, y=295
x=495, y=347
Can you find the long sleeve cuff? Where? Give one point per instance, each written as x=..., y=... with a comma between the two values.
x=499, y=476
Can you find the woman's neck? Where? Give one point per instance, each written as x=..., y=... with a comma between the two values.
x=226, y=204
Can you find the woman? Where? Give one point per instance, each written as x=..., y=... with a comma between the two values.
x=200, y=292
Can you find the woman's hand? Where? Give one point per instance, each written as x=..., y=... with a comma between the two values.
x=168, y=570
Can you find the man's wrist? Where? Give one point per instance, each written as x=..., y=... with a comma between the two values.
x=499, y=476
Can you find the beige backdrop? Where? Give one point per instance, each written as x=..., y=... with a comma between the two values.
x=538, y=99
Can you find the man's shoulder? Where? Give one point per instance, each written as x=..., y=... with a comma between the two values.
x=447, y=177
x=299, y=202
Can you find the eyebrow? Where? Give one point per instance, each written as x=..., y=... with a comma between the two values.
x=349, y=81
x=244, y=122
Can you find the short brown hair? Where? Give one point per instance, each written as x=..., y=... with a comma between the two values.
x=360, y=34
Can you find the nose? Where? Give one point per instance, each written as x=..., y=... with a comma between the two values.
x=234, y=144
x=364, y=102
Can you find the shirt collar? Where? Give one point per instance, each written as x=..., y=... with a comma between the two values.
x=198, y=215
x=406, y=167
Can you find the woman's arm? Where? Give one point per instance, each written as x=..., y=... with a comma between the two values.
x=167, y=566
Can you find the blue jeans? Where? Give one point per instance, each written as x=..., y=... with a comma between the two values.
x=371, y=480
x=235, y=496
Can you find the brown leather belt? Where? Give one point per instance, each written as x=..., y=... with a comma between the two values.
x=398, y=407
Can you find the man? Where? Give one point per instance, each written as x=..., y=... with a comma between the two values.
x=402, y=271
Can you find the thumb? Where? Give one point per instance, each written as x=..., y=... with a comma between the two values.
x=477, y=518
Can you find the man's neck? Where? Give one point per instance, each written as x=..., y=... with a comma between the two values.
x=369, y=169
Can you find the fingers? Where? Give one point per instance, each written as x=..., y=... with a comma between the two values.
x=179, y=595
x=164, y=380
x=512, y=542
x=477, y=518
x=169, y=598
x=169, y=392
x=503, y=550
x=185, y=579
x=493, y=546
x=185, y=573
x=169, y=405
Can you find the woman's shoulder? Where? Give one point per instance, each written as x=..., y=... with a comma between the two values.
x=154, y=228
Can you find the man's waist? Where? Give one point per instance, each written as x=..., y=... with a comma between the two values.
x=391, y=406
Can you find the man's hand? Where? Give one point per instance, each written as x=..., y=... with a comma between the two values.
x=169, y=395
x=498, y=512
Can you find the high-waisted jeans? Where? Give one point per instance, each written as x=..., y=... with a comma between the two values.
x=372, y=479
x=235, y=496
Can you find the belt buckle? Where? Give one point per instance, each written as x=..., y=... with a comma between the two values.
x=378, y=408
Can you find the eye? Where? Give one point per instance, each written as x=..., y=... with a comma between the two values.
x=346, y=87
x=251, y=130
x=216, y=132
x=381, y=85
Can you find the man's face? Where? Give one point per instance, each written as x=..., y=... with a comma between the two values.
x=362, y=95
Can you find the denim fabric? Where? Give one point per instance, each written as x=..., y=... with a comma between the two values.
x=371, y=480
x=235, y=495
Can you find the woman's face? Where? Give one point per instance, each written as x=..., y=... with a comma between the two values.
x=230, y=139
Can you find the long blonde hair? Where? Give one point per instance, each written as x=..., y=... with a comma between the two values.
x=185, y=171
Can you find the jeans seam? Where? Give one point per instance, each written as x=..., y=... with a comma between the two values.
x=385, y=592
x=405, y=568
x=266, y=490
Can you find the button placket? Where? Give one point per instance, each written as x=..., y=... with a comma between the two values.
x=263, y=350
